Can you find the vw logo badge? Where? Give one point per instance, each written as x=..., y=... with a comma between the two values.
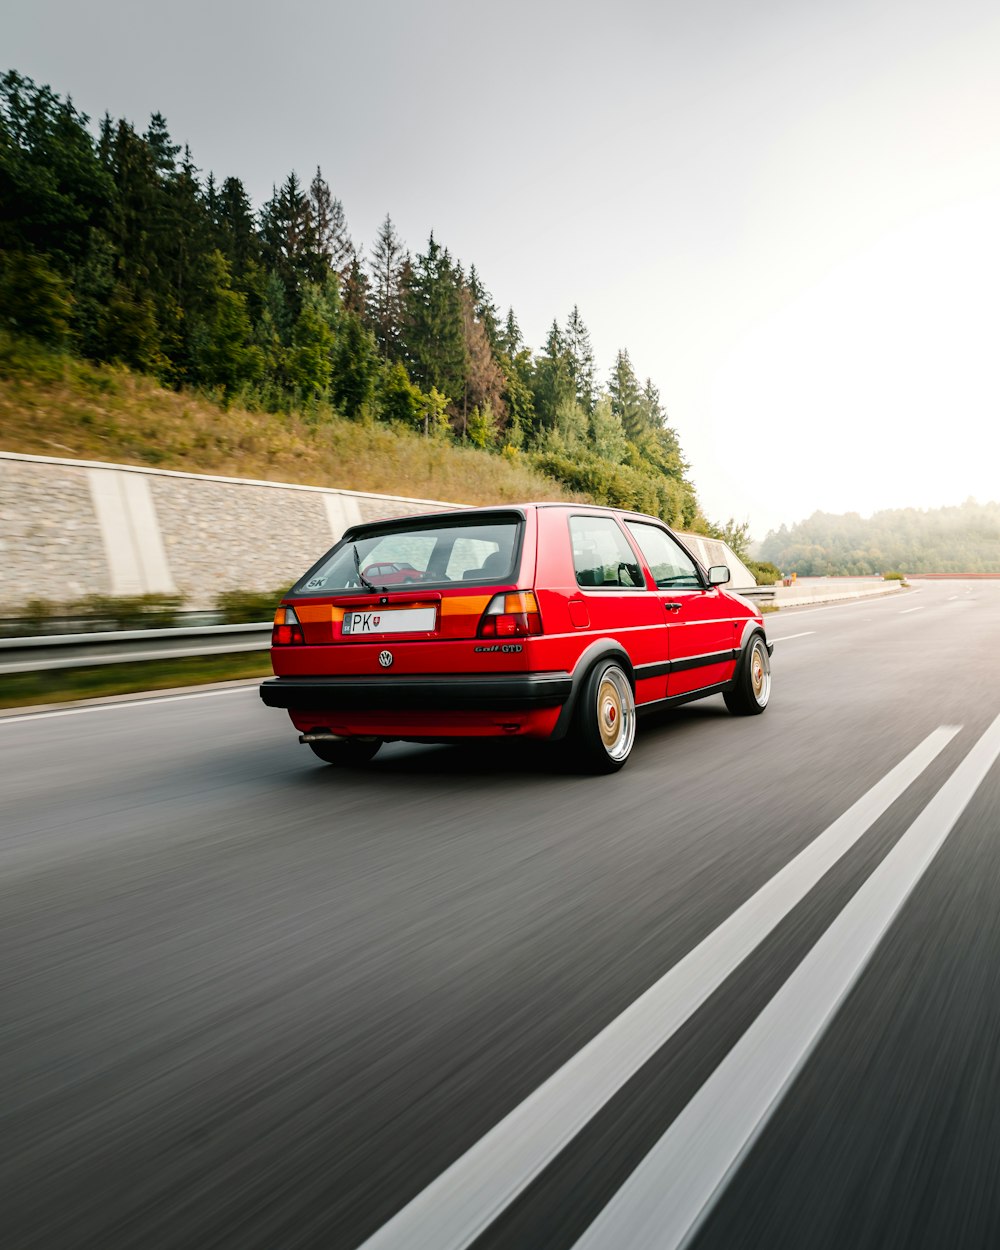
x=385, y=658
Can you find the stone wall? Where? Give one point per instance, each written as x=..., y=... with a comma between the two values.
x=69, y=528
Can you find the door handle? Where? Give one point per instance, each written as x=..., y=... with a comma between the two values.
x=673, y=607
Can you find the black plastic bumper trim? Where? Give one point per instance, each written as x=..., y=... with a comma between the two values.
x=500, y=692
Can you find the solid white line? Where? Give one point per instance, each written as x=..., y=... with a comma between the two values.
x=789, y=637
x=870, y=600
x=455, y=1208
x=667, y=1197
x=919, y=608
x=107, y=707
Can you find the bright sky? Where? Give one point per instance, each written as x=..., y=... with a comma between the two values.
x=788, y=212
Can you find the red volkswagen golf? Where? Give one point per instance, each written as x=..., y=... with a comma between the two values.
x=550, y=621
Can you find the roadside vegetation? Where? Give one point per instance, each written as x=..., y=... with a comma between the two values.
x=964, y=539
x=55, y=404
x=154, y=316
x=62, y=685
x=98, y=613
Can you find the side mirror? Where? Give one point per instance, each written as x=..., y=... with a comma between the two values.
x=718, y=575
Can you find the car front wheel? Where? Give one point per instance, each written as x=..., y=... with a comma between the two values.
x=604, y=730
x=751, y=686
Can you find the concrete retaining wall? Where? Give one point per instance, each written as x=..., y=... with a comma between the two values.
x=70, y=528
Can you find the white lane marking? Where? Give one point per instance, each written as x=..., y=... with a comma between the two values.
x=869, y=600
x=952, y=598
x=667, y=1197
x=456, y=1207
x=107, y=707
x=918, y=608
x=789, y=637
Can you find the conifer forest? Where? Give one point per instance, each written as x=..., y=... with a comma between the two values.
x=118, y=249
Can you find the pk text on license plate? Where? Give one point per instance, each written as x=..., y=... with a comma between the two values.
x=401, y=621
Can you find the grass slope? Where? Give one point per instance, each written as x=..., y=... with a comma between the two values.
x=56, y=405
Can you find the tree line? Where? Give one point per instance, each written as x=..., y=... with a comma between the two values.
x=963, y=539
x=116, y=247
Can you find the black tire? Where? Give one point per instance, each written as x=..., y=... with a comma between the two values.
x=603, y=730
x=751, y=688
x=348, y=753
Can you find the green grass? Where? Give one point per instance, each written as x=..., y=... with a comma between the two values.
x=54, y=404
x=62, y=685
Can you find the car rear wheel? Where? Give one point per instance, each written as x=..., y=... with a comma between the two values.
x=751, y=686
x=604, y=729
x=348, y=752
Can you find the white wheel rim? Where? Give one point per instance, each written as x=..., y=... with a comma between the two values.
x=615, y=713
x=760, y=674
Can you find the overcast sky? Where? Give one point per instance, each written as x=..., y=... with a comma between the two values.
x=788, y=212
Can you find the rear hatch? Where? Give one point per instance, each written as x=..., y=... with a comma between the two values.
x=416, y=579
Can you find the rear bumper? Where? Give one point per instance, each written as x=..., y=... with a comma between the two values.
x=495, y=692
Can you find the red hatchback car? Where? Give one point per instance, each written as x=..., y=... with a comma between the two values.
x=546, y=621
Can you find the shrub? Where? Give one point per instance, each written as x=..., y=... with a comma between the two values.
x=765, y=573
x=894, y=577
x=95, y=612
x=248, y=607
x=129, y=611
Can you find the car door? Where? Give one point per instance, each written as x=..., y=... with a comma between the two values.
x=615, y=599
x=701, y=632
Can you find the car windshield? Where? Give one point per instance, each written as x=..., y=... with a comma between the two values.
x=420, y=555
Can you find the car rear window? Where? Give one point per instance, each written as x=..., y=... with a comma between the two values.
x=601, y=554
x=421, y=555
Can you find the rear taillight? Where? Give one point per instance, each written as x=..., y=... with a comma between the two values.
x=287, y=631
x=511, y=616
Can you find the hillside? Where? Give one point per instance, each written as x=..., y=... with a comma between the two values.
x=116, y=250
x=964, y=539
x=55, y=405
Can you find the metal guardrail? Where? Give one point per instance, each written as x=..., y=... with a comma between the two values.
x=127, y=646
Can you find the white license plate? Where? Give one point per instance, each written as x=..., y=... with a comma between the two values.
x=397, y=621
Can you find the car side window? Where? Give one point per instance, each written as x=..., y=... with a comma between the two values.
x=601, y=554
x=669, y=563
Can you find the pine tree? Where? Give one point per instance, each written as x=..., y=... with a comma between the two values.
x=385, y=299
x=484, y=381
x=355, y=366
x=356, y=289
x=511, y=340
x=53, y=188
x=222, y=352
x=434, y=329
x=485, y=309
x=581, y=357
x=164, y=152
x=289, y=240
x=656, y=415
x=553, y=381
x=626, y=396
x=332, y=241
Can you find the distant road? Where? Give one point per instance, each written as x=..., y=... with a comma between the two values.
x=743, y=993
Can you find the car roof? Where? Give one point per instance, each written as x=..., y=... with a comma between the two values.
x=501, y=509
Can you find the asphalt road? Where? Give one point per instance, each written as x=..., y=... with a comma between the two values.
x=745, y=993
